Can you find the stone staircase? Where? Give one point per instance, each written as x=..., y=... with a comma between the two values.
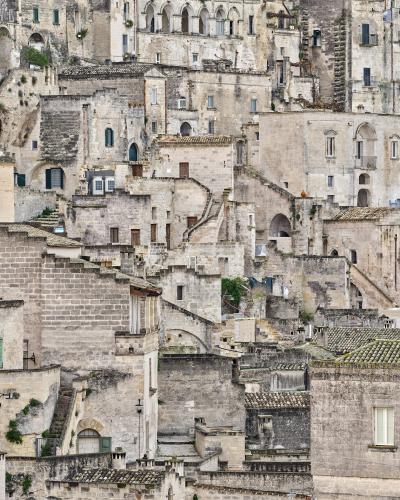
x=251, y=172
x=339, y=84
x=376, y=296
x=49, y=220
x=64, y=401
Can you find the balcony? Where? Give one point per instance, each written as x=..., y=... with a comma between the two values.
x=369, y=41
x=366, y=162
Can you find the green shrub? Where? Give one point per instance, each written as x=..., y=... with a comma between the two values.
x=13, y=435
x=26, y=484
x=82, y=34
x=306, y=316
x=36, y=57
x=235, y=288
x=34, y=402
x=129, y=23
x=46, y=450
x=34, y=80
x=23, y=79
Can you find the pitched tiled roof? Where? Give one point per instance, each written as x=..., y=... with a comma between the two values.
x=343, y=340
x=359, y=213
x=53, y=240
x=378, y=352
x=117, y=476
x=315, y=351
x=195, y=139
x=103, y=71
x=277, y=400
x=288, y=366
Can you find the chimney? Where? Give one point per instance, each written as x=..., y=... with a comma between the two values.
x=118, y=459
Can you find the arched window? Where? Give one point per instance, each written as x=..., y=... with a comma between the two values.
x=364, y=179
x=166, y=19
x=363, y=198
x=204, y=17
x=334, y=253
x=88, y=441
x=280, y=227
x=186, y=129
x=185, y=20
x=220, y=19
x=109, y=137
x=150, y=19
x=233, y=18
x=133, y=152
x=365, y=146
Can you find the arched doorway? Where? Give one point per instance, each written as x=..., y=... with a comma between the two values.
x=363, y=198
x=185, y=20
x=36, y=41
x=133, y=152
x=280, y=227
x=166, y=19
x=204, y=22
x=186, y=129
x=88, y=441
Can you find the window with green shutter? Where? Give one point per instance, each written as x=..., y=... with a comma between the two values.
x=105, y=444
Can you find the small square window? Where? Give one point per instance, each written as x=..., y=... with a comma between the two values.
x=331, y=198
x=34, y=145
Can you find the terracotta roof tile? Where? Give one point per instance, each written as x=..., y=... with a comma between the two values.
x=359, y=213
x=53, y=240
x=195, y=139
x=117, y=476
x=277, y=400
x=103, y=71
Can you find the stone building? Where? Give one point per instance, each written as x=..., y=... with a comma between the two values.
x=354, y=423
x=351, y=45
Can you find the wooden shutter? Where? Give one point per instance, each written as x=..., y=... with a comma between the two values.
x=135, y=237
x=153, y=235
x=191, y=221
x=105, y=444
x=48, y=178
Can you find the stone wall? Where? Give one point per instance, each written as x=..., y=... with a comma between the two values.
x=343, y=460
x=12, y=334
x=192, y=386
x=30, y=204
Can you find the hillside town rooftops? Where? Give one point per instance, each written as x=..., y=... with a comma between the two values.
x=195, y=139
x=380, y=351
x=277, y=400
x=53, y=240
x=361, y=213
x=103, y=71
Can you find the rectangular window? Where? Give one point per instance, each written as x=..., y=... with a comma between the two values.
x=353, y=256
x=331, y=198
x=110, y=183
x=134, y=314
x=195, y=58
x=210, y=101
x=154, y=127
x=35, y=14
x=158, y=58
x=25, y=354
x=330, y=147
x=98, y=185
x=124, y=44
x=365, y=34
x=251, y=25
x=153, y=233
x=179, y=292
x=19, y=180
x=126, y=11
x=359, y=150
x=150, y=375
x=34, y=145
x=253, y=105
x=54, y=178
x=257, y=136
x=384, y=427
x=114, y=235
x=153, y=212
x=153, y=95
x=211, y=128
x=56, y=17
x=394, y=150
x=330, y=181
x=1, y=353
x=367, y=77
x=135, y=237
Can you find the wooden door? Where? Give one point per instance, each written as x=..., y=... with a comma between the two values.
x=183, y=170
x=135, y=237
x=153, y=235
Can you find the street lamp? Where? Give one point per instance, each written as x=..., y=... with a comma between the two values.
x=139, y=408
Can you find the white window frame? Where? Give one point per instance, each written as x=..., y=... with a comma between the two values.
x=110, y=180
x=253, y=105
x=153, y=96
x=210, y=102
x=394, y=150
x=158, y=58
x=387, y=415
